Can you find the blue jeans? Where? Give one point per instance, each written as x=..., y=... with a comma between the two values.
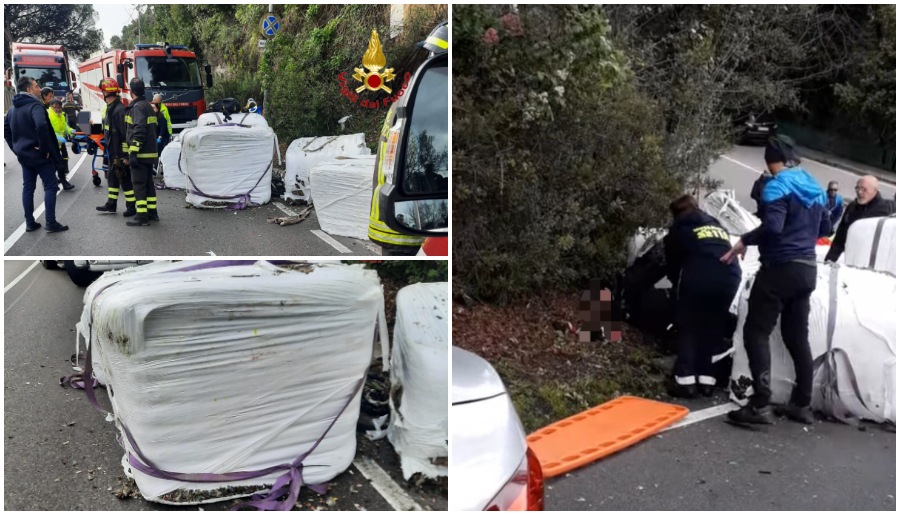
x=47, y=173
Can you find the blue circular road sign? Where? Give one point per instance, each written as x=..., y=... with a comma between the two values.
x=270, y=25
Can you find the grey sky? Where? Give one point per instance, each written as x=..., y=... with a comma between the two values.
x=112, y=17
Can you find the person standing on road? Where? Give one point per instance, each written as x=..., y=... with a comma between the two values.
x=142, y=153
x=705, y=288
x=71, y=109
x=28, y=134
x=63, y=134
x=868, y=204
x=794, y=216
x=164, y=122
x=114, y=130
x=835, y=204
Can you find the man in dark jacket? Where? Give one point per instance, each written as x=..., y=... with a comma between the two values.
x=28, y=134
x=140, y=119
x=835, y=204
x=868, y=204
x=705, y=287
x=794, y=216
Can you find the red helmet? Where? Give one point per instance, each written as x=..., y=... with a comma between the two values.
x=108, y=86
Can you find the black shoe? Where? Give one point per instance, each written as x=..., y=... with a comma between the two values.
x=68, y=186
x=707, y=390
x=32, y=226
x=801, y=414
x=138, y=220
x=56, y=227
x=153, y=217
x=682, y=391
x=129, y=213
x=107, y=208
x=750, y=415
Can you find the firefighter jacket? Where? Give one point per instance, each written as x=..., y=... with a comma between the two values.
x=140, y=119
x=114, y=130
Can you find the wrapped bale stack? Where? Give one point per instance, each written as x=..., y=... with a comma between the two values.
x=344, y=195
x=305, y=153
x=419, y=371
x=224, y=367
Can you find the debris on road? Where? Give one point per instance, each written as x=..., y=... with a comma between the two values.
x=291, y=220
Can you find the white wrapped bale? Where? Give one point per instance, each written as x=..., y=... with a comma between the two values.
x=722, y=205
x=235, y=368
x=228, y=165
x=344, y=195
x=872, y=243
x=250, y=119
x=419, y=370
x=305, y=153
x=864, y=308
x=168, y=163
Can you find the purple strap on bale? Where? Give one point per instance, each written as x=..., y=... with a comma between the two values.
x=243, y=200
x=288, y=484
x=76, y=381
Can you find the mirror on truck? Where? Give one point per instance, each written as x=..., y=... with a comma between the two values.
x=417, y=203
x=9, y=82
x=73, y=80
x=208, y=69
x=120, y=78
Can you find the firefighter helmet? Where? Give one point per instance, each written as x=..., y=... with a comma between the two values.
x=109, y=87
x=437, y=41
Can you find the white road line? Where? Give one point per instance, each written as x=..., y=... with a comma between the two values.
x=21, y=276
x=331, y=241
x=38, y=212
x=387, y=487
x=735, y=161
x=704, y=414
x=284, y=209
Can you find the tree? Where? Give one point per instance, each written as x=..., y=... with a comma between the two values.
x=66, y=24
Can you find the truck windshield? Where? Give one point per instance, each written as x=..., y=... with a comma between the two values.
x=158, y=73
x=45, y=77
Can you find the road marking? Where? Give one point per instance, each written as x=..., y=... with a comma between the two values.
x=284, y=209
x=20, y=277
x=331, y=241
x=704, y=414
x=384, y=485
x=37, y=213
x=735, y=161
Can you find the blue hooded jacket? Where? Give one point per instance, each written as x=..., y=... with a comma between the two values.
x=794, y=215
x=27, y=130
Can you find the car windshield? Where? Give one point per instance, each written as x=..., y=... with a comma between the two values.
x=426, y=154
x=45, y=77
x=158, y=73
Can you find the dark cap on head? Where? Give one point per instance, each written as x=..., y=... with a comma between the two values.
x=781, y=150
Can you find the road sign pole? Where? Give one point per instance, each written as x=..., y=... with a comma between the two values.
x=266, y=90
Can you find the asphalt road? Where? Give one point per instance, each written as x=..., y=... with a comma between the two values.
x=53, y=438
x=710, y=465
x=181, y=232
x=742, y=165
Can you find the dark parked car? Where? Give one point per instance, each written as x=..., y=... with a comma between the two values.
x=757, y=128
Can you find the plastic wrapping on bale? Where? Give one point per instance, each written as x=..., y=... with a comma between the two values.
x=419, y=371
x=251, y=119
x=168, y=164
x=228, y=165
x=344, y=195
x=234, y=368
x=722, y=205
x=305, y=153
x=864, y=307
x=872, y=243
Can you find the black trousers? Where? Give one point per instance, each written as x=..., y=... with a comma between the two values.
x=780, y=289
x=144, y=189
x=703, y=322
x=62, y=167
x=119, y=181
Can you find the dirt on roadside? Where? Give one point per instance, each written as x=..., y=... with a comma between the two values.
x=549, y=373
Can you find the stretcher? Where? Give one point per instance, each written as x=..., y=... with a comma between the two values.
x=94, y=145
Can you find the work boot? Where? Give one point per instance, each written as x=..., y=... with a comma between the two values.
x=140, y=219
x=750, y=415
x=129, y=210
x=56, y=227
x=682, y=391
x=109, y=207
x=801, y=414
x=152, y=215
x=32, y=226
x=67, y=186
x=706, y=390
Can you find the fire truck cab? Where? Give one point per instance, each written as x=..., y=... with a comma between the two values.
x=170, y=70
x=47, y=64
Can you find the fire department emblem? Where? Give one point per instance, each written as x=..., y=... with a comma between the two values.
x=373, y=61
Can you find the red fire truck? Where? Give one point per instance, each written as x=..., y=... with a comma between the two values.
x=171, y=70
x=47, y=64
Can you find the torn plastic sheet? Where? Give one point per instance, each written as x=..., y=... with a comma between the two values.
x=864, y=328
x=419, y=371
x=305, y=153
x=172, y=343
x=344, y=195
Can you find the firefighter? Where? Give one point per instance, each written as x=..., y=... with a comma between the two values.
x=140, y=120
x=63, y=133
x=119, y=176
x=71, y=108
x=393, y=243
x=164, y=123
